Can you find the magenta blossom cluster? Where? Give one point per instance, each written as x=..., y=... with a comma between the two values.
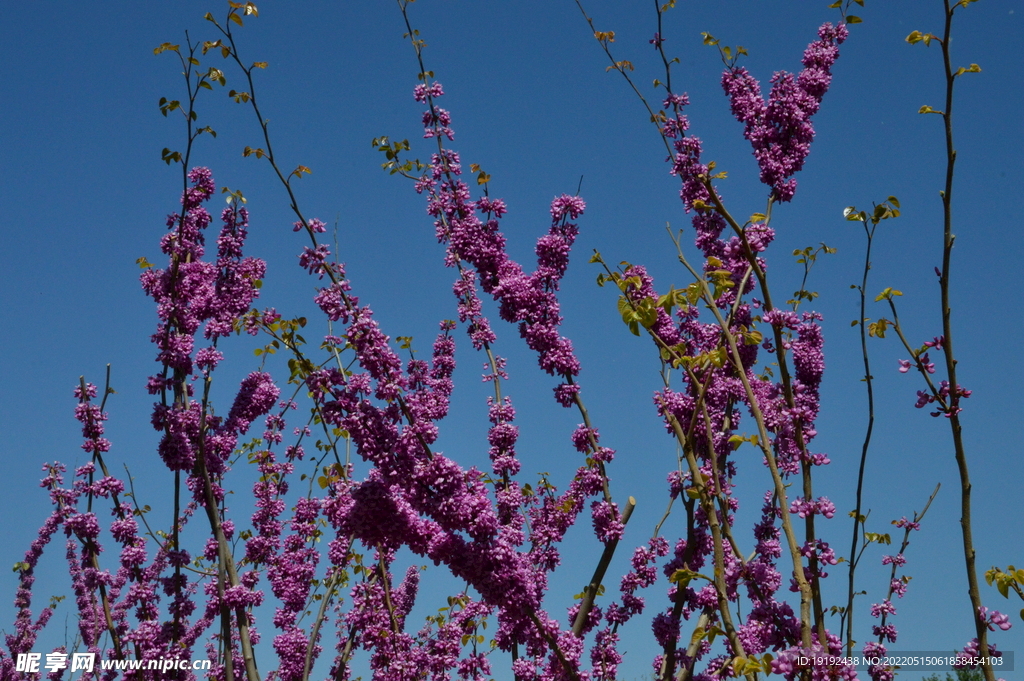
x=947, y=398
x=780, y=129
x=713, y=393
x=704, y=410
x=971, y=652
x=470, y=230
x=885, y=631
x=994, y=619
x=26, y=625
x=191, y=292
x=797, y=662
x=416, y=497
x=121, y=607
x=528, y=300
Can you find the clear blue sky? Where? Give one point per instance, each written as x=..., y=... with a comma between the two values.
x=84, y=194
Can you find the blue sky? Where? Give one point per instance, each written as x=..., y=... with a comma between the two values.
x=84, y=194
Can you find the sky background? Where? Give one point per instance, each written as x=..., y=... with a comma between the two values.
x=84, y=194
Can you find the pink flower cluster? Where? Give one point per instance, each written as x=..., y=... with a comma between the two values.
x=191, y=292
x=781, y=133
x=780, y=129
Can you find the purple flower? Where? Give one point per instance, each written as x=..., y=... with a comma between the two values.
x=607, y=523
x=927, y=364
x=873, y=649
x=903, y=522
x=897, y=560
x=994, y=619
x=887, y=632
x=885, y=607
x=780, y=130
x=972, y=651
x=256, y=397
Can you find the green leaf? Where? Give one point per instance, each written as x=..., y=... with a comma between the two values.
x=682, y=577
x=973, y=68
x=887, y=294
x=647, y=313
x=626, y=310
x=169, y=156
x=163, y=47
x=854, y=20
x=709, y=39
